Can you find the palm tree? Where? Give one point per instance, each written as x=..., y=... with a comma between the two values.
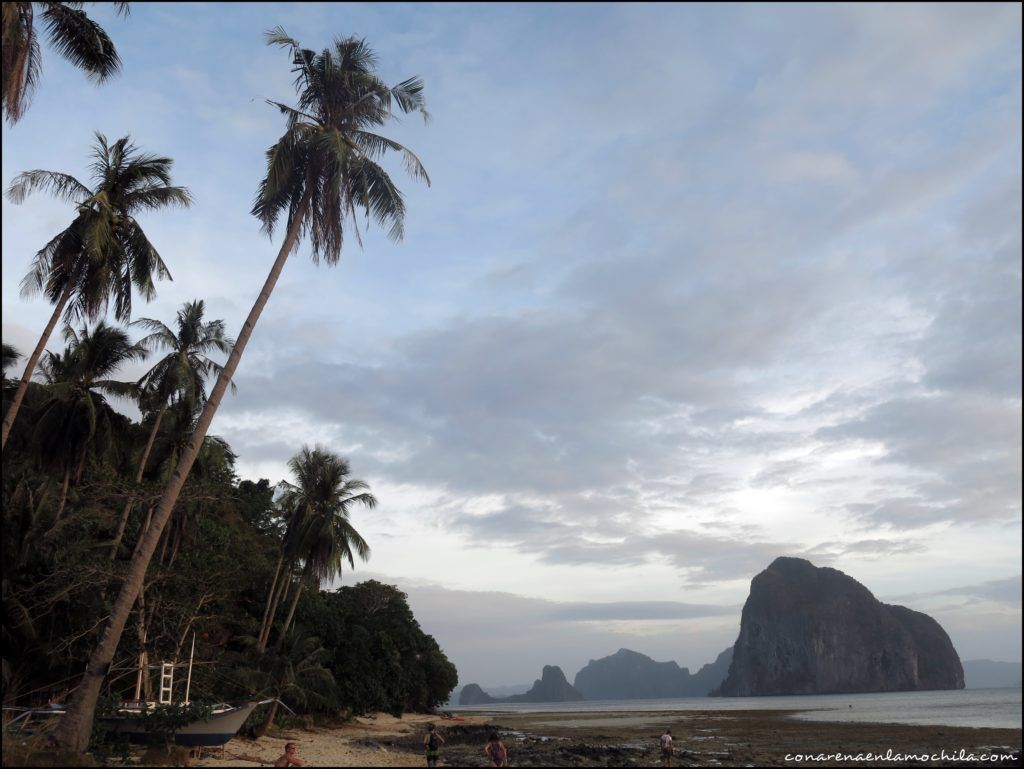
x=104, y=251
x=74, y=35
x=277, y=588
x=76, y=416
x=320, y=532
x=177, y=377
x=294, y=670
x=320, y=172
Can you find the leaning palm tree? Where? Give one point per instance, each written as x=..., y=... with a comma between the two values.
x=103, y=252
x=74, y=35
x=179, y=376
x=75, y=418
x=320, y=532
x=320, y=172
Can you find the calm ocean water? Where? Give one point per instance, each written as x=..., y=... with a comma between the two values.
x=999, y=708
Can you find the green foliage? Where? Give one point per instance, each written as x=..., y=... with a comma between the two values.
x=357, y=649
x=104, y=743
x=381, y=658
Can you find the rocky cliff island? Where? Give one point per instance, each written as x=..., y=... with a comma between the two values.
x=552, y=686
x=810, y=630
x=629, y=675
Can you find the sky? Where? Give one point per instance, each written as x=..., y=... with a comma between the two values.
x=692, y=287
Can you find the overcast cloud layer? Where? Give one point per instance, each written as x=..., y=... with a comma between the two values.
x=694, y=287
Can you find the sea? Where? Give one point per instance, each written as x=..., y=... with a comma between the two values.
x=992, y=708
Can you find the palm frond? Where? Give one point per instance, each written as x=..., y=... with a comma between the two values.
x=409, y=96
x=277, y=36
x=375, y=145
x=374, y=192
x=81, y=41
x=62, y=186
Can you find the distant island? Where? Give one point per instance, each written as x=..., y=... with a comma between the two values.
x=803, y=630
x=811, y=630
x=552, y=686
x=628, y=675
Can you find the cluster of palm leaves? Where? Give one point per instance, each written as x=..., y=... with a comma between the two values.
x=322, y=175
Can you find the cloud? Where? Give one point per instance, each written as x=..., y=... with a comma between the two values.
x=1006, y=592
x=748, y=284
x=500, y=638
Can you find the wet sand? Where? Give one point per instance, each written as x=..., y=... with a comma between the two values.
x=705, y=738
x=737, y=738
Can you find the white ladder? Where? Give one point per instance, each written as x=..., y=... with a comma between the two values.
x=166, y=682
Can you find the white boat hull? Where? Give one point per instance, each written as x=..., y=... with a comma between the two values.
x=215, y=730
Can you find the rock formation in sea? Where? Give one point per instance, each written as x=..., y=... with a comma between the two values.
x=550, y=687
x=629, y=675
x=472, y=694
x=810, y=630
x=711, y=675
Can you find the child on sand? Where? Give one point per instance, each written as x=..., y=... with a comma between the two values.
x=432, y=743
x=496, y=751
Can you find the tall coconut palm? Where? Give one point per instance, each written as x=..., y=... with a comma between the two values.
x=104, y=251
x=76, y=416
x=323, y=534
x=278, y=587
x=178, y=376
x=319, y=173
x=74, y=35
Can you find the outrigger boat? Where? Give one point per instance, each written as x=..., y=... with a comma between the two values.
x=215, y=730
x=212, y=731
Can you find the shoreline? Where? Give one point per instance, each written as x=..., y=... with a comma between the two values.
x=625, y=738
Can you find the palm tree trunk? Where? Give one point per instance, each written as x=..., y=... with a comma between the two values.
x=270, y=595
x=30, y=365
x=282, y=594
x=143, y=685
x=295, y=603
x=163, y=547
x=73, y=729
x=138, y=479
x=63, y=495
x=174, y=549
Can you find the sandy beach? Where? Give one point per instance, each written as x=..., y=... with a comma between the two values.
x=365, y=741
x=706, y=738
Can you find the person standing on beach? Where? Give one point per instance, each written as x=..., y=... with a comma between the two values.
x=289, y=758
x=666, y=748
x=496, y=751
x=432, y=743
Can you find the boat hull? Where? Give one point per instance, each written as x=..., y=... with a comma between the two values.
x=215, y=730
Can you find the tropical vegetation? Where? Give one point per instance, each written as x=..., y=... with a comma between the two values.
x=104, y=252
x=353, y=649
x=106, y=517
x=320, y=172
